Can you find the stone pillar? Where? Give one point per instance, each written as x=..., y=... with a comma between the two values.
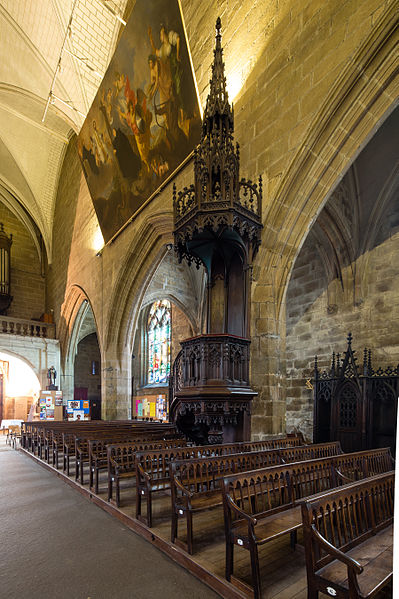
x=267, y=364
x=116, y=386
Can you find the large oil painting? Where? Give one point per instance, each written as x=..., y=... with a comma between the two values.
x=145, y=118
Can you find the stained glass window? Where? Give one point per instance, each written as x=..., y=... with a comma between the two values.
x=158, y=335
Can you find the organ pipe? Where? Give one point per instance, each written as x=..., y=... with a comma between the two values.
x=5, y=252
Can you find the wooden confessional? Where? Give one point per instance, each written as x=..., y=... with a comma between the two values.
x=355, y=405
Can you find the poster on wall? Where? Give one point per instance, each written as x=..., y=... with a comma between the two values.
x=153, y=407
x=78, y=409
x=58, y=398
x=145, y=119
x=139, y=408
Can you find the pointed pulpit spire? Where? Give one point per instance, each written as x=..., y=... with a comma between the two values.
x=217, y=103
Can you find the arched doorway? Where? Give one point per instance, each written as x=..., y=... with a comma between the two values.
x=19, y=387
x=87, y=366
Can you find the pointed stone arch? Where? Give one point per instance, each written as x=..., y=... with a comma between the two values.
x=364, y=95
x=142, y=259
x=73, y=313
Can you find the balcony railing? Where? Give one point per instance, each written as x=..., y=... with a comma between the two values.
x=26, y=328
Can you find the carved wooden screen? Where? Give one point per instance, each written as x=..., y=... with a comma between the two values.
x=356, y=405
x=383, y=414
x=347, y=415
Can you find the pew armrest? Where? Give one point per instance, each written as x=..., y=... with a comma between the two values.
x=336, y=553
x=239, y=512
x=182, y=488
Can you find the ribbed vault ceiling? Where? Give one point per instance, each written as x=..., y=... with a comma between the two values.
x=32, y=36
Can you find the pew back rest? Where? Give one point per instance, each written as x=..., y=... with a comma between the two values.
x=156, y=463
x=310, y=452
x=269, y=490
x=201, y=475
x=97, y=443
x=347, y=516
x=122, y=456
x=361, y=464
x=262, y=491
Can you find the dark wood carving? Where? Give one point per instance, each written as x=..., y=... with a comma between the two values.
x=5, y=268
x=217, y=223
x=354, y=404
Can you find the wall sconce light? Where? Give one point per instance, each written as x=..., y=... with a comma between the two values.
x=5, y=267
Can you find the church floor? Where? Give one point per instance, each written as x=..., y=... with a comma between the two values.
x=74, y=550
x=55, y=544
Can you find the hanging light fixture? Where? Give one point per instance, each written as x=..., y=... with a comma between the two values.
x=5, y=250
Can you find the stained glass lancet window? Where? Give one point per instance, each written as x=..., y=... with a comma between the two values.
x=158, y=333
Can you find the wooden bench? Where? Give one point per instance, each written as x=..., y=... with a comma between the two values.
x=196, y=485
x=82, y=445
x=13, y=434
x=128, y=468
x=75, y=440
x=121, y=462
x=34, y=434
x=348, y=536
x=310, y=452
x=263, y=505
x=152, y=467
x=98, y=455
x=153, y=470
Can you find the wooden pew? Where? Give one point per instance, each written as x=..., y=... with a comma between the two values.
x=348, y=536
x=310, y=452
x=123, y=465
x=31, y=431
x=82, y=444
x=263, y=505
x=13, y=434
x=152, y=467
x=196, y=484
x=128, y=429
x=98, y=454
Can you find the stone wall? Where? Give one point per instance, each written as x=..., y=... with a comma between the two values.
x=27, y=281
x=311, y=330
x=181, y=329
x=329, y=295
x=312, y=83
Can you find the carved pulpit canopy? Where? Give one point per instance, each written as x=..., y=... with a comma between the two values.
x=217, y=223
x=218, y=206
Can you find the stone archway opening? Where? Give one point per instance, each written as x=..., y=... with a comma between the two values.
x=19, y=387
x=345, y=276
x=87, y=367
x=182, y=290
